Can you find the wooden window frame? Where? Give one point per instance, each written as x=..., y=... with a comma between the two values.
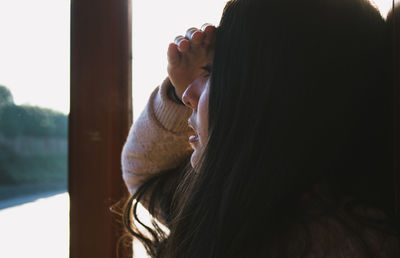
x=100, y=117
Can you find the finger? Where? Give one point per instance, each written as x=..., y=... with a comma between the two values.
x=190, y=31
x=210, y=33
x=178, y=39
x=195, y=35
x=198, y=37
x=182, y=43
x=206, y=25
x=173, y=54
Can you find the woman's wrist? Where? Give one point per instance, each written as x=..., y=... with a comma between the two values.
x=171, y=93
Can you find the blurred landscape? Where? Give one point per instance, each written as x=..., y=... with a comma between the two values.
x=33, y=149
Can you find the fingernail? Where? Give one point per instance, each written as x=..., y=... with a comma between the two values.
x=178, y=39
x=205, y=25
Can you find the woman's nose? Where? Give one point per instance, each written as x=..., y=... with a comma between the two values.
x=192, y=94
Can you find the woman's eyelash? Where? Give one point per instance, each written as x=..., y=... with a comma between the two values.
x=207, y=68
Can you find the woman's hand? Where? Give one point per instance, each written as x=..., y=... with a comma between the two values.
x=188, y=56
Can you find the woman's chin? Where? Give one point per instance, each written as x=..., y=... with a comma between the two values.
x=194, y=159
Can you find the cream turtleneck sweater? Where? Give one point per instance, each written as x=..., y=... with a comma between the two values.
x=158, y=140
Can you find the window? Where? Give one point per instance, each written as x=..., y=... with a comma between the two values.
x=34, y=107
x=34, y=64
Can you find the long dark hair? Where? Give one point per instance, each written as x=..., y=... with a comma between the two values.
x=300, y=108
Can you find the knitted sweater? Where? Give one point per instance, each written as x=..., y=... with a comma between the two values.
x=158, y=140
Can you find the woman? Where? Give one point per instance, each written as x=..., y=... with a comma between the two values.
x=292, y=113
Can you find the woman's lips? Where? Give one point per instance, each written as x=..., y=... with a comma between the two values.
x=194, y=138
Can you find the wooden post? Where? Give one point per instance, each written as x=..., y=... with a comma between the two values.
x=100, y=117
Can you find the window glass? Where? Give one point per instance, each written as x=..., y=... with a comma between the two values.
x=384, y=5
x=34, y=107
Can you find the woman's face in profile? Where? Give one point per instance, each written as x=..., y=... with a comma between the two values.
x=196, y=97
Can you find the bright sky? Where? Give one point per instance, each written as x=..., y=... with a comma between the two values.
x=34, y=45
x=155, y=25
x=34, y=51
